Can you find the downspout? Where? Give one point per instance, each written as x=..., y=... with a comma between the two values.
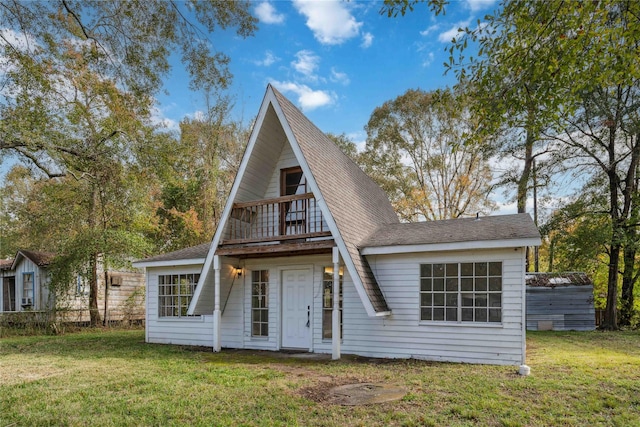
x=524, y=370
x=335, y=314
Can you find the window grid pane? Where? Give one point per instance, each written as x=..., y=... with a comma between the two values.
x=461, y=292
x=327, y=303
x=175, y=293
x=260, y=303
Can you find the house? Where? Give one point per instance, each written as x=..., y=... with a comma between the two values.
x=560, y=302
x=24, y=281
x=310, y=255
x=24, y=286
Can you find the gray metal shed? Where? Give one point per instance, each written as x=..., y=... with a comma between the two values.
x=560, y=302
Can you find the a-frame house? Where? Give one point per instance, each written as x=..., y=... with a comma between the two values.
x=310, y=255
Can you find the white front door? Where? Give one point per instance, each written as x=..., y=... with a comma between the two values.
x=297, y=298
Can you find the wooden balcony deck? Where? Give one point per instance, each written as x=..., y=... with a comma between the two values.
x=288, y=224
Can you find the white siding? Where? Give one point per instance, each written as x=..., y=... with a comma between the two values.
x=286, y=160
x=403, y=335
x=315, y=263
x=196, y=330
x=231, y=304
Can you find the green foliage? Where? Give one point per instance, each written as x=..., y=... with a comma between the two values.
x=418, y=152
x=78, y=91
x=347, y=146
x=203, y=166
x=392, y=8
x=568, y=71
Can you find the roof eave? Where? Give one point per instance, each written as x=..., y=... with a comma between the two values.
x=168, y=263
x=452, y=246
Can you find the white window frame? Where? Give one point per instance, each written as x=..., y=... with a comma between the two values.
x=327, y=302
x=175, y=292
x=260, y=303
x=450, y=295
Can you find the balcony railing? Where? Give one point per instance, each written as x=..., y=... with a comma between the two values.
x=278, y=219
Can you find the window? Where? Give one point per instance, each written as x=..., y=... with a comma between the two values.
x=175, y=292
x=82, y=287
x=327, y=303
x=293, y=214
x=461, y=292
x=260, y=303
x=27, y=289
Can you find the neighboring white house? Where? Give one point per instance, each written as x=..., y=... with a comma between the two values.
x=310, y=255
x=24, y=286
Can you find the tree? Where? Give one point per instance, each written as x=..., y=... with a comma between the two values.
x=204, y=163
x=416, y=150
x=76, y=103
x=345, y=144
x=579, y=61
x=124, y=43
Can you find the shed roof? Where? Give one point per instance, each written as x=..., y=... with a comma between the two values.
x=553, y=280
x=5, y=264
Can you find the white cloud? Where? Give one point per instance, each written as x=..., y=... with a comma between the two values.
x=331, y=22
x=308, y=99
x=430, y=30
x=367, y=39
x=359, y=138
x=453, y=32
x=476, y=5
x=338, y=77
x=267, y=13
x=269, y=59
x=428, y=60
x=159, y=118
x=306, y=64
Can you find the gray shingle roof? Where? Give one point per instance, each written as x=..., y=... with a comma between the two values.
x=357, y=204
x=499, y=227
x=193, y=252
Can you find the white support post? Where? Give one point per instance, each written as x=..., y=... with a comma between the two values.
x=216, y=312
x=335, y=319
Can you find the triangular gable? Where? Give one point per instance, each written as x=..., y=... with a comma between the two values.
x=351, y=203
x=41, y=259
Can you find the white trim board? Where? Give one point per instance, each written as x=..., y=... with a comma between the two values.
x=457, y=246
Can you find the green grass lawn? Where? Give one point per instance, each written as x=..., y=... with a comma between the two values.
x=113, y=378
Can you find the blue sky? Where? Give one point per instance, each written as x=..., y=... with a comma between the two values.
x=336, y=60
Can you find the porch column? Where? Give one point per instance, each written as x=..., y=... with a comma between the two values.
x=216, y=311
x=335, y=319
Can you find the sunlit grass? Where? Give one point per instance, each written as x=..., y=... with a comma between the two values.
x=112, y=378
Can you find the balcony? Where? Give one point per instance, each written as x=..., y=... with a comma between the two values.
x=292, y=224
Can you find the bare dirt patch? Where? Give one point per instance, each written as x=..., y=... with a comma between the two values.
x=330, y=390
x=365, y=394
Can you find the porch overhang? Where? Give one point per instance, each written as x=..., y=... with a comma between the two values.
x=276, y=250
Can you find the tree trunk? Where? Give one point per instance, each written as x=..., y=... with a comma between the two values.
x=523, y=182
x=552, y=247
x=106, y=293
x=626, y=302
x=93, y=280
x=93, y=292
